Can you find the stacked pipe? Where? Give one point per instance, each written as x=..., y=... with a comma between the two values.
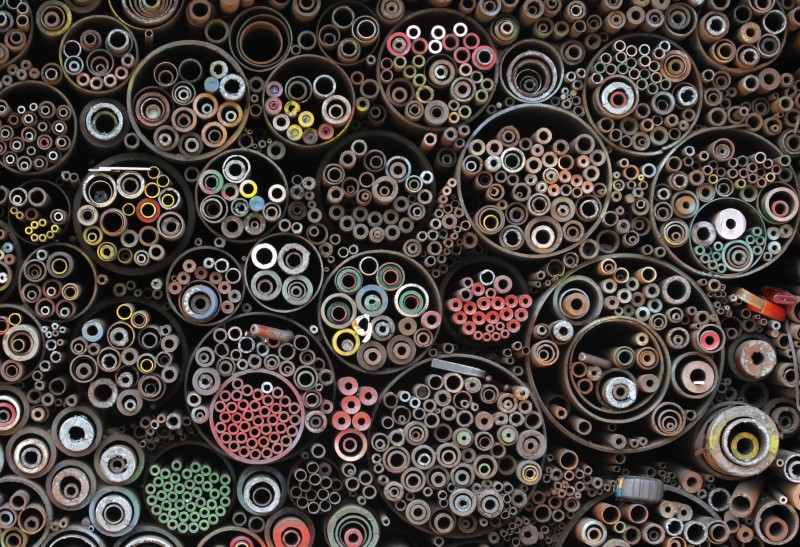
x=466, y=272
x=485, y=301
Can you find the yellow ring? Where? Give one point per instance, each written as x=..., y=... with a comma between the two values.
x=335, y=342
x=251, y=189
x=294, y=132
x=291, y=109
x=305, y=119
x=748, y=456
x=490, y=216
x=151, y=190
x=124, y=311
x=163, y=199
x=149, y=367
x=63, y=266
x=107, y=251
x=148, y=210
